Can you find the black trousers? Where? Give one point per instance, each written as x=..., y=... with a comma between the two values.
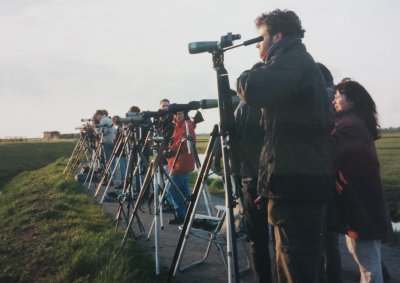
x=256, y=222
x=299, y=228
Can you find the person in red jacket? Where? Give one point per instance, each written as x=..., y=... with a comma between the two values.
x=184, y=164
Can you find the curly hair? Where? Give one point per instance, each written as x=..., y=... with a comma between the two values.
x=99, y=112
x=134, y=109
x=286, y=22
x=363, y=104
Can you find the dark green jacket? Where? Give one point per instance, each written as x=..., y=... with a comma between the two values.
x=295, y=161
x=250, y=139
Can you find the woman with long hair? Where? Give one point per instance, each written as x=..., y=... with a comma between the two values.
x=360, y=198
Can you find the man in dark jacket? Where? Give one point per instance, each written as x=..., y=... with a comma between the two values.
x=250, y=139
x=295, y=166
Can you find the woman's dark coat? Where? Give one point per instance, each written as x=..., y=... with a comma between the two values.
x=359, y=193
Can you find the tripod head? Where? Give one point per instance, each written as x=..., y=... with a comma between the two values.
x=137, y=119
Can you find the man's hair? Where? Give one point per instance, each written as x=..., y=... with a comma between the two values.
x=134, y=109
x=99, y=112
x=164, y=100
x=363, y=104
x=286, y=22
x=114, y=119
x=105, y=112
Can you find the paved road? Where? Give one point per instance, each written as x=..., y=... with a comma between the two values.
x=213, y=269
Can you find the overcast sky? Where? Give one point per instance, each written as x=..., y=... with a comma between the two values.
x=60, y=60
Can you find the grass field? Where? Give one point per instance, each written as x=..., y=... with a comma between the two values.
x=201, y=143
x=52, y=231
x=388, y=148
x=16, y=157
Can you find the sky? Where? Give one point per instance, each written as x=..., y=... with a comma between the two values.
x=60, y=60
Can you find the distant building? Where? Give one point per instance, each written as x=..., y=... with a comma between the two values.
x=50, y=135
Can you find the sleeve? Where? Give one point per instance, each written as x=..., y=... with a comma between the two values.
x=266, y=84
x=177, y=137
x=350, y=140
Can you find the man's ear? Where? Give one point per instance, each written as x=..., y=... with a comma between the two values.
x=276, y=37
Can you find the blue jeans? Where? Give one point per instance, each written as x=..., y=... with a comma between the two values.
x=108, y=148
x=183, y=184
x=122, y=168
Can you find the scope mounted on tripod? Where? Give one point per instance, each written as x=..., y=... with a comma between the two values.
x=210, y=46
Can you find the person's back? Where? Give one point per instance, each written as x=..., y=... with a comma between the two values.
x=295, y=172
x=250, y=139
x=296, y=120
x=108, y=130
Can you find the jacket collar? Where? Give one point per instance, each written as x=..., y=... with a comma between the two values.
x=282, y=45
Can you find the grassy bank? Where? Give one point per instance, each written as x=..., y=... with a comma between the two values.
x=16, y=157
x=388, y=148
x=51, y=231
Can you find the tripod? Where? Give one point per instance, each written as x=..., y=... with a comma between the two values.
x=85, y=142
x=119, y=145
x=95, y=161
x=146, y=183
x=191, y=150
x=76, y=155
x=229, y=156
x=75, y=152
x=131, y=171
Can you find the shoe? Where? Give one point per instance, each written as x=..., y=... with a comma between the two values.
x=175, y=221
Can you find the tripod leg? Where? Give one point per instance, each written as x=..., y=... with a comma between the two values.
x=192, y=206
x=73, y=154
x=146, y=183
x=231, y=252
x=141, y=194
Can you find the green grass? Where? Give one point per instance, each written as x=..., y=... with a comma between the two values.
x=201, y=143
x=215, y=186
x=388, y=148
x=52, y=231
x=16, y=157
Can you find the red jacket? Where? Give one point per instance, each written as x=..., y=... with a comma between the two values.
x=185, y=162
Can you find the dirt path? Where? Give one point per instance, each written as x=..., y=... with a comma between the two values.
x=213, y=269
